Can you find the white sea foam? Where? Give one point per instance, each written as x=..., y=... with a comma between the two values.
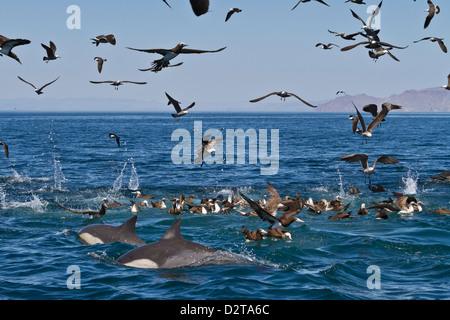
x=410, y=183
x=133, y=184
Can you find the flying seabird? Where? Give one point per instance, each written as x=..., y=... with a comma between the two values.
x=169, y=54
x=50, y=52
x=432, y=10
x=104, y=39
x=176, y=105
x=91, y=213
x=355, y=127
x=100, y=62
x=368, y=27
x=378, y=52
x=5, y=146
x=304, y=1
x=357, y=1
x=206, y=148
x=363, y=159
x=274, y=203
x=340, y=91
x=345, y=36
x=434, y=39
x=283, y=95
x=199, y=6
x=6, y=45
x=385, y=108
x=112, y=135
x=283, y=221
x=38, y=91
x=447, y=86
x=230, y=13
x=167, y=4
x=117, y=83
x=326, y=46
x=372, y=44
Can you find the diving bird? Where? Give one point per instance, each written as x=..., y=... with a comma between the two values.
x=6, y=45
x=5, y=146
x=447, y=86
x=206, y=148
x=118, y=83
x=434, y=39
x=345, y=36
x=104, y=39
x=169, y=54
x=368, y=27
x=432, y=10
x=363, y=159
x=385, y=108
x=100, y=62
x=326, y=46
x=176, y=105
x=283, y=95
x=51, y=52
x=38, y=90
x=304, y=1
x=114, y=136
x=231, y=12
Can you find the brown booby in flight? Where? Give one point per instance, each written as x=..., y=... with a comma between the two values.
x=231, y=12
x=432, y=10
x=345, y=36
x=176, y=105
x=304, y=1
x=118, y=83
x=356, y=1
x=434, y=39
x=6, y=45
x=283, y=95
x=199, y=6
x=104, y=39
x=363, y=159
x=51, y=55
x=112, y=135
x=167, y=4
x=378, y=52
x=38, y=90
x=206, y=148
x=368, y=27
x=5, y=146
x=367, y=131
x=169, y=54
x=100, y=62
x=372, y=44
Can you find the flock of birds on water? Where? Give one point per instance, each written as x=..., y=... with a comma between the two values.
x=267, y=208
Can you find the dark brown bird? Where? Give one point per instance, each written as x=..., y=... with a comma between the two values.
x=100, y=212
x=38, y=90
x=100, y=62
x=231, y=12
x=283, y=95
x=6, y=45
x=199, y=6
x=252, y=235
x=104, y=39
x=114, y=136
x=51, y=52
x=304, y=1
x=434, y=39
x=341, y=215
x=432, y=11
x=363, y=159
x=5, y=146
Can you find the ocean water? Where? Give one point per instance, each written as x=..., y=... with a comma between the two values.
x=69, y=158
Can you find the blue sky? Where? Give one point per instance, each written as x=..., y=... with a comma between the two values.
x=269, y=48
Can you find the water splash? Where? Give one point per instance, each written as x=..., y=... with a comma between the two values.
x=35, y=204
x=133, y=184
x=341, y=184
x=118, y=182
x=410, y=183
x=2, y=199
x=58, y=175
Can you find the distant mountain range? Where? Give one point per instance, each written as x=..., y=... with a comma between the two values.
x=426, y=100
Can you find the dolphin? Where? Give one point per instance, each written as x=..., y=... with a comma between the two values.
x=171, y=251
x=100, y=233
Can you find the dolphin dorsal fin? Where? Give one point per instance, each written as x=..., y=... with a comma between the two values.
x=130, y=224
x=173, y=232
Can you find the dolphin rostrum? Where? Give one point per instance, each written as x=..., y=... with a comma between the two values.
x=171, y=251
x=100, y=233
